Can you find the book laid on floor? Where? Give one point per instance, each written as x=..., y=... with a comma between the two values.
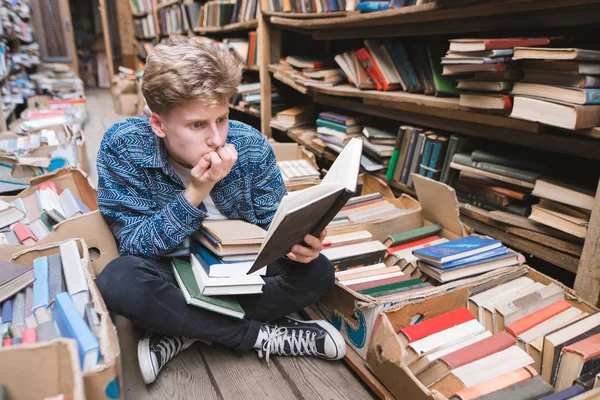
x=568, y=95
x=555, y=113
x=500, y=382
x=556, y=341
x=191, y=292
x=13, y=278
x=484, y=369
x=576, y=360
x=473, y=352
x=309, y=211
x=244, y=284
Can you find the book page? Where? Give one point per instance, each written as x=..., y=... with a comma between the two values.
x=346, y=167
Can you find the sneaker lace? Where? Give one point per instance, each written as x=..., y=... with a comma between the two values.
x=300, y=342
x=169, y=347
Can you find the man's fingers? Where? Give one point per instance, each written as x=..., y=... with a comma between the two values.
x=313, y=242
x=225, y=155
x=299, y=250
x=202, y=165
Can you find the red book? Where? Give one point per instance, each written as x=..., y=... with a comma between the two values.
x=50, y=185
x=251, y=48
x=6, y=342
x=414, y=243
x=24, y=234
x=435, y=324
x=373, y=71
x=491, y=44
x=528, y=322
x=29, y=336
x=379, y=282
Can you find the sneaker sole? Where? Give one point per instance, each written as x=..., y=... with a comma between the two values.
x=334, y=333
x=144, y=361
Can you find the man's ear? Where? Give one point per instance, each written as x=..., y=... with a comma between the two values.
x=157, y=124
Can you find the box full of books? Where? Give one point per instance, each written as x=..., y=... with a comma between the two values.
x=55, y=296
x=518, y=335
x=297, y=165
x=57, y=206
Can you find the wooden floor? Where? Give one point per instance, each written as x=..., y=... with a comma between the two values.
x=214, y=372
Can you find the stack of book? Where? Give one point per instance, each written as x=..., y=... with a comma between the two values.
x=465, y=257
x=298, y=173
x=455, y=355
x=144, y=28
x=172, y=20
x=306, y=6
x=558, y=88
x=293, y=117
x=562, y=207
x=401, y=245
x=60, y=82
x=28, y=220
x=57, y=304
x=249, y=98
x=244, y=10
x=496, y=181
x=340, y=127
x=230, y=241
x=417, y=151
x=389, y=65
x=216, y=13
x=562, y=340
x=366, y=208
x=491, y=60
x=309, y=71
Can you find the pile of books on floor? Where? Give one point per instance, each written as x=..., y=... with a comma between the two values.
x=558, y=88
x=59, y=81
x=309, y=71
x=465, y=257
x=366, y=208
x=388, y=66
x=491, y=62
x=57, y=304
x=25, y=221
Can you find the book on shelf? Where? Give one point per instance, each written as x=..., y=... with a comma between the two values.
x=493, y=102
x=555, y=113
x=295, y=115
x=354, y=71
x=563, y=193
x=547, y=53
x=298, y=171
x=567, y=95
x=468, y=45
x=556, y=78
x=561, y=217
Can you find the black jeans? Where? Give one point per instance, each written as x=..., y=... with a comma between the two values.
x=145, y=291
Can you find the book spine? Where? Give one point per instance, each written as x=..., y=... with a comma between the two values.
x=395, y=155
x=409, y=154
x=437, y=153
x=373, y=71
x=331, y=125
x=426, y=155
x=418, y=154
x=482, y=194
x=337, y=119
x=483, y=156
x=452, y=147
x=590, y=82
x=592, y=96
x=515, y=173
x=372, y=6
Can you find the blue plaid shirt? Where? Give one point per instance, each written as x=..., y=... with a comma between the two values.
x=141, y=196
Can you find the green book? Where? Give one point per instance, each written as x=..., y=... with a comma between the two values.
x=186, y=280
x=408, y=236
x=391, y=286
x=49, y=222
x=501, y=159
x=445, y=85
x=515, y=173
x=401, y=290
x=337, y=127
x=395, y=155
x=373, y=133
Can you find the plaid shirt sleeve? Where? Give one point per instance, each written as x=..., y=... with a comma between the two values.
x=125, y=201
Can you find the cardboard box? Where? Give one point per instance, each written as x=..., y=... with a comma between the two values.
x=385, y=353
x=91, y=227
x=126, y=98
x=105, y=380
x=293, y=151
x=356, y=315
x=36, y=371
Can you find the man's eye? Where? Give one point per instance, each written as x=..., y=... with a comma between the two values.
x=221, y=120
x=196, y=125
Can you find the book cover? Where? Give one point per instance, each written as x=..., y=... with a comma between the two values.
x=433, y=325
x=511, y=378
x=533, y=388
x=532, y=320
x=412, y=235
x=457, y=249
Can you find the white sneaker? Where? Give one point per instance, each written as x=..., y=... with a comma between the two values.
x=292, y=337
x=155, y=350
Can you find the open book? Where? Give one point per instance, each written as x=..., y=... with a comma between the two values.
x=309, y=211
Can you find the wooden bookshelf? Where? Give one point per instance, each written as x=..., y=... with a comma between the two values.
x=436, y=19
x=304, y=16
x=245, y=110
x=255, y=68
x=230, y=28
x=444, y=114
x=167, y=4
x=142, y=14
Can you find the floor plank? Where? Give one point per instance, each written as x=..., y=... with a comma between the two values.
x=320, y=379
x=246, y=376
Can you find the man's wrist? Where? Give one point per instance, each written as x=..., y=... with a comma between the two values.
x=196, y=195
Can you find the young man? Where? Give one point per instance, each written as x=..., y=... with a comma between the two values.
x=159, y=178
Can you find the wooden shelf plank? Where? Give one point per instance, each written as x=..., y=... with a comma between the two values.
x=397, y=185
x=587, y=282
x=138, y=37
x=251, y=68
x=305, y=16
x=167, y=3
x=245, y=111
x=237, y=27
x=432, y=12
x=139, y=14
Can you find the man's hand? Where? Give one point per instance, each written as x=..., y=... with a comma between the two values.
x=211, y=168
x=306, y=254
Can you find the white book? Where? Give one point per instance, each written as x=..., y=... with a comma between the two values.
x=489, y=310
x=407, y=255
x=441, y=339
x=372, y=278
x=226, y=270
x=71, y=204
x=74, y=273
x=492, y=366
x=353, y=271
x=9, y=214
x=347, y=238
x=475, y=303
x=421, y=363
x=353, y=250
x=546, y=327
x=18, y=203
x=246, y=284
x=511, y=311
x=39, y=229
x=51, y=204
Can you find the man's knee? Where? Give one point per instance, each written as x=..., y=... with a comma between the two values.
x=322, y=274
x=117, y=282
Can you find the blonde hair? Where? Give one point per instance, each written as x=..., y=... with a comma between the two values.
x=183, y=69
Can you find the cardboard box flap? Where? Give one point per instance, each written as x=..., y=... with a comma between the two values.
x=439, y=204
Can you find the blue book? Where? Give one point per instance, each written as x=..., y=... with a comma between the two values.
x=7, y=310
x=333, y=5
x=426, y=155
x=369, y=6
x=16, y=340
x=216, y=268
x=456, y=249
x=565, y=393
x=41, y=292
x=476, y=259
x=404, y=66
x=71, y=324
